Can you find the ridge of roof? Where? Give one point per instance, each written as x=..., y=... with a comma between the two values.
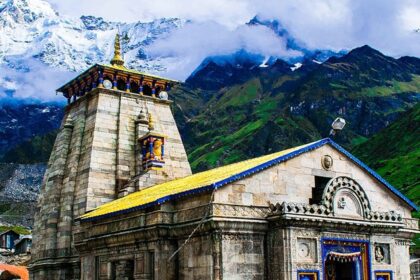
x=146, y=198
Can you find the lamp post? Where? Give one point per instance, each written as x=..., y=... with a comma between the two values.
x=337, y=125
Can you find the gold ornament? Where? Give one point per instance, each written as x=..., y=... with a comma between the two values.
x=117, y=60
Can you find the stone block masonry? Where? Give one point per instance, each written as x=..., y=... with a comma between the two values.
x=94, y=158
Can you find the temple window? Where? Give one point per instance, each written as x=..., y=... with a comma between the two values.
x=147, y=90
x=134, y=87
x=317, y=191
x=121, y=85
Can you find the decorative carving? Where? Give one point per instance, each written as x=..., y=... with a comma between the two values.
x=306, y=250
x=379, y=254
x=327, y=162
x=311, y=212
x=227, y=210
x=382, y=253
x=347, y=203
x=350, y=188
x=152, y=150
x=341, y=202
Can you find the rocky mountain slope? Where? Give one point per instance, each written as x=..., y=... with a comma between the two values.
x=19, y=189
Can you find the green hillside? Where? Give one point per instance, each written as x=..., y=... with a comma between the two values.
x=277, y=108
x=395, y=153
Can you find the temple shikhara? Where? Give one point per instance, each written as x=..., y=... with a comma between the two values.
x=119, y=200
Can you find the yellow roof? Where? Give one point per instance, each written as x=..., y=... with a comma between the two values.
x=198, y=182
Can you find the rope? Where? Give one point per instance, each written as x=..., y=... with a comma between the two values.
x=196, y=228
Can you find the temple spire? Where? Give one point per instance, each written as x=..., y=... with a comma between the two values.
x=117, y=60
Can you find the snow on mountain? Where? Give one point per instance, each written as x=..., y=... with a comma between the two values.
x=32, y=29
x=40, y=49
x=36, y=43
x=293, y=44
x=296, y=66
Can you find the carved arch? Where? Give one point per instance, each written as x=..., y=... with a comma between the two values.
x=349, y=185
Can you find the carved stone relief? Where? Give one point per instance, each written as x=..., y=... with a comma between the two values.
x=346, y=203
x=381, y=253
x=345, y=196
x=327, y=162
x=306, y=250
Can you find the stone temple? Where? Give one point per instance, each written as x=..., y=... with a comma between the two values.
x=119, y=200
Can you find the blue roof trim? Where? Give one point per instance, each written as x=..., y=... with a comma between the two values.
x=256, y=169
x=374, y=174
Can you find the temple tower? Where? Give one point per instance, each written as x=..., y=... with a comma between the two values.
x=118, y=135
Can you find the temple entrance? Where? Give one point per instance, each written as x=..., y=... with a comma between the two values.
x=345, y=260
x=335, y=270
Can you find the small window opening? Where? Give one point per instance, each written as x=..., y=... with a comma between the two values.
x=121, y=85
x=317, y=191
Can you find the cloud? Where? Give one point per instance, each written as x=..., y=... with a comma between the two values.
x=190, y=44
x=227, y=12
x=319, y=24
x=36, y=81
x=329, y=24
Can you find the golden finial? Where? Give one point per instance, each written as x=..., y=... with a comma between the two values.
x=117, y=60
x=151, y=127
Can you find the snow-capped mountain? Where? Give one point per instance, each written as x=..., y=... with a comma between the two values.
x=316, y=56
x=40, y=49
x=32, y=29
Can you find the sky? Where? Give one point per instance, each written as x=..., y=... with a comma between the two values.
x=388, y=25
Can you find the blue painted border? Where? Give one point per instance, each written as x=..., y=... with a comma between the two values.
x=367, y=242
x=259, y=168
x=308, y=271
x=384, y=271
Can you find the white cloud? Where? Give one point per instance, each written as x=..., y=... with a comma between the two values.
x=190, y=44
x=319, y=24
x=36, y=82
x=227, y=12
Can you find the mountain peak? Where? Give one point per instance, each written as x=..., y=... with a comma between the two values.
x=95, y=23
x=365, y=50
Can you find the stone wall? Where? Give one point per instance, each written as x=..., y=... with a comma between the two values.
x=243, y=256
x=293, y=249
x=293, y=181
x=95, y=160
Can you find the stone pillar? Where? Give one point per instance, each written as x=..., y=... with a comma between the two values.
x=100, y=79
x=127, y=85
x=217, y=256
x=286, y=255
